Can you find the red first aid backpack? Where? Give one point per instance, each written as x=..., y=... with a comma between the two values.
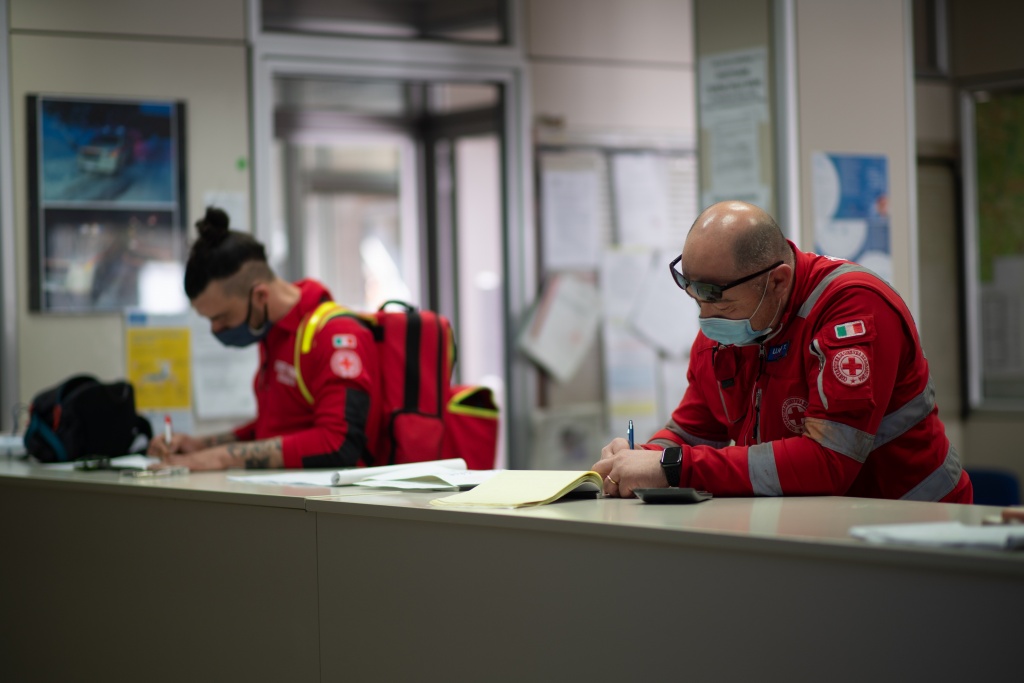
x=424, y=417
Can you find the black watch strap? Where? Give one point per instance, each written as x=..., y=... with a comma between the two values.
x=672, y=464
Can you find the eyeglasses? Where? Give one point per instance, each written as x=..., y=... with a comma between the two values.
x=708, y=293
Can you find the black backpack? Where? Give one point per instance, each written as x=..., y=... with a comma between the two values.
x=83, y=417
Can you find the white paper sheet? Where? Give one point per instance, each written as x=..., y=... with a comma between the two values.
x=571, y=226
x=662, y=314
x=630, y=376
x=944, y=534
x=642, y=199
x=562, y=326
x=619, y=282
x=221, y=376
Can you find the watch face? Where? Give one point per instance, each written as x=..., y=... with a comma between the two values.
x=672, y=456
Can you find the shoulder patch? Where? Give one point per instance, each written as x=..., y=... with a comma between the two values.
x=856, y=328
x=851, y=367
x=344, y=341
x=346, y=364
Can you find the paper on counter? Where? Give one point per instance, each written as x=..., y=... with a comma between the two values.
x=438, y=480
x=348, y=476
x=943, y=535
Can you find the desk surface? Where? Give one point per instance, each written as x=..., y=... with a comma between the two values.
x=806, y=526
x=736, y=556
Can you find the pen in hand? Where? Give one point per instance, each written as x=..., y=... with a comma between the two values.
x=167, y=429
x=629, y=434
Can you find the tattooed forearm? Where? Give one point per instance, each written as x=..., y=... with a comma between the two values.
x=217, y=439
x=257, y=455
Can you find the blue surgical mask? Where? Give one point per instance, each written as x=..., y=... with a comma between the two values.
x=734, y=332
x=243, y=335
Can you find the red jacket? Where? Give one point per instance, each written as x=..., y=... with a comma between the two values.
x=838, y=401
x=339, y=372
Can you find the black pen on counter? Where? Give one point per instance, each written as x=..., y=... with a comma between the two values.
x=629, y=434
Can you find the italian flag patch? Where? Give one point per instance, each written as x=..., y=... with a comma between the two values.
x=854, y=329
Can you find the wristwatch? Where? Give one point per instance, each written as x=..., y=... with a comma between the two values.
x=672, y=464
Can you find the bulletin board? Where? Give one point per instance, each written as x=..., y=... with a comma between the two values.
x=612, y=217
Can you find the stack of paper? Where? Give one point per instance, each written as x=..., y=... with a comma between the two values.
x=522, y=488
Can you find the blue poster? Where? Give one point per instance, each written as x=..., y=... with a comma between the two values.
x=851, y=209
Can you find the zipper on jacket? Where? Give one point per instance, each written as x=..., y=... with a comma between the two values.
x=757, y=394
x=820, y=355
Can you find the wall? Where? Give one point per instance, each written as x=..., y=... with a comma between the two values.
x=192, y=50
x=609, y=65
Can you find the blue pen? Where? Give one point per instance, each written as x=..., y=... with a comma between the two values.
x=629, y=434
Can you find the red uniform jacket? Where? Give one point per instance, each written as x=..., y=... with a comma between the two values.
x=339, y=372
x=838, y=401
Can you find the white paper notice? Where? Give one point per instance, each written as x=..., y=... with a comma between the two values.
x=642, y=194
x=562, y=326
x=221, y=377
x=630, y=376
x=620, y=284
x=733, y=108
x=662, y=314
x=571, y=226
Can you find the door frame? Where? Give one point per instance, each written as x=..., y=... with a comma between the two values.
x=273, y=55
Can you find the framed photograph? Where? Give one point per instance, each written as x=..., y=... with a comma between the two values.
x=106, y=204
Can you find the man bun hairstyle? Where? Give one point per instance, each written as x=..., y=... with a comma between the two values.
x=219, y=253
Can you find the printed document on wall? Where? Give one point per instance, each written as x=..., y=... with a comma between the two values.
x=630, y=378
x=662, y=314
x=571, y=222
x=733, y=110
x=562, y=325
x=642, y=199
x=222, y=387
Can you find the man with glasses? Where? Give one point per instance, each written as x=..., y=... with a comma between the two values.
x=807, y=378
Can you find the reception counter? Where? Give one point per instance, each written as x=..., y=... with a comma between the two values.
x=201, y=578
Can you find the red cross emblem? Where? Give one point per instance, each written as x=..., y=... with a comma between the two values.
x=793, y=410
x=346, y=364
x=851, y=367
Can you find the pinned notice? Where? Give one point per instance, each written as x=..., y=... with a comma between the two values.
x=562, y=326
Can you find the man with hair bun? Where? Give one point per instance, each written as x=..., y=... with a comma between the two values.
x=807, y=378
x=229, y=282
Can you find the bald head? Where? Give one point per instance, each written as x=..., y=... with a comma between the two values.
x=734, y=237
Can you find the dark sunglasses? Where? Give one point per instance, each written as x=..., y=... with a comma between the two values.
x=702, y=291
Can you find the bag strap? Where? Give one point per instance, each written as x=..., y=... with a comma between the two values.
x=312, y=324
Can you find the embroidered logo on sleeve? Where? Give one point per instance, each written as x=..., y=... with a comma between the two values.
x=851, y=367
x=854, y=329
x=344, y=341
x=793, y=410
x=346, y=364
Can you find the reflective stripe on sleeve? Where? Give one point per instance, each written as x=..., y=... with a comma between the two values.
x=939, y=483
x=808, y=305
x=896, y=423
x=844, y=439
x=690, y=439
x=764, y=476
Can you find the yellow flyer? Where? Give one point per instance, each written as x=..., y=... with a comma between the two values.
x=158, y=367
